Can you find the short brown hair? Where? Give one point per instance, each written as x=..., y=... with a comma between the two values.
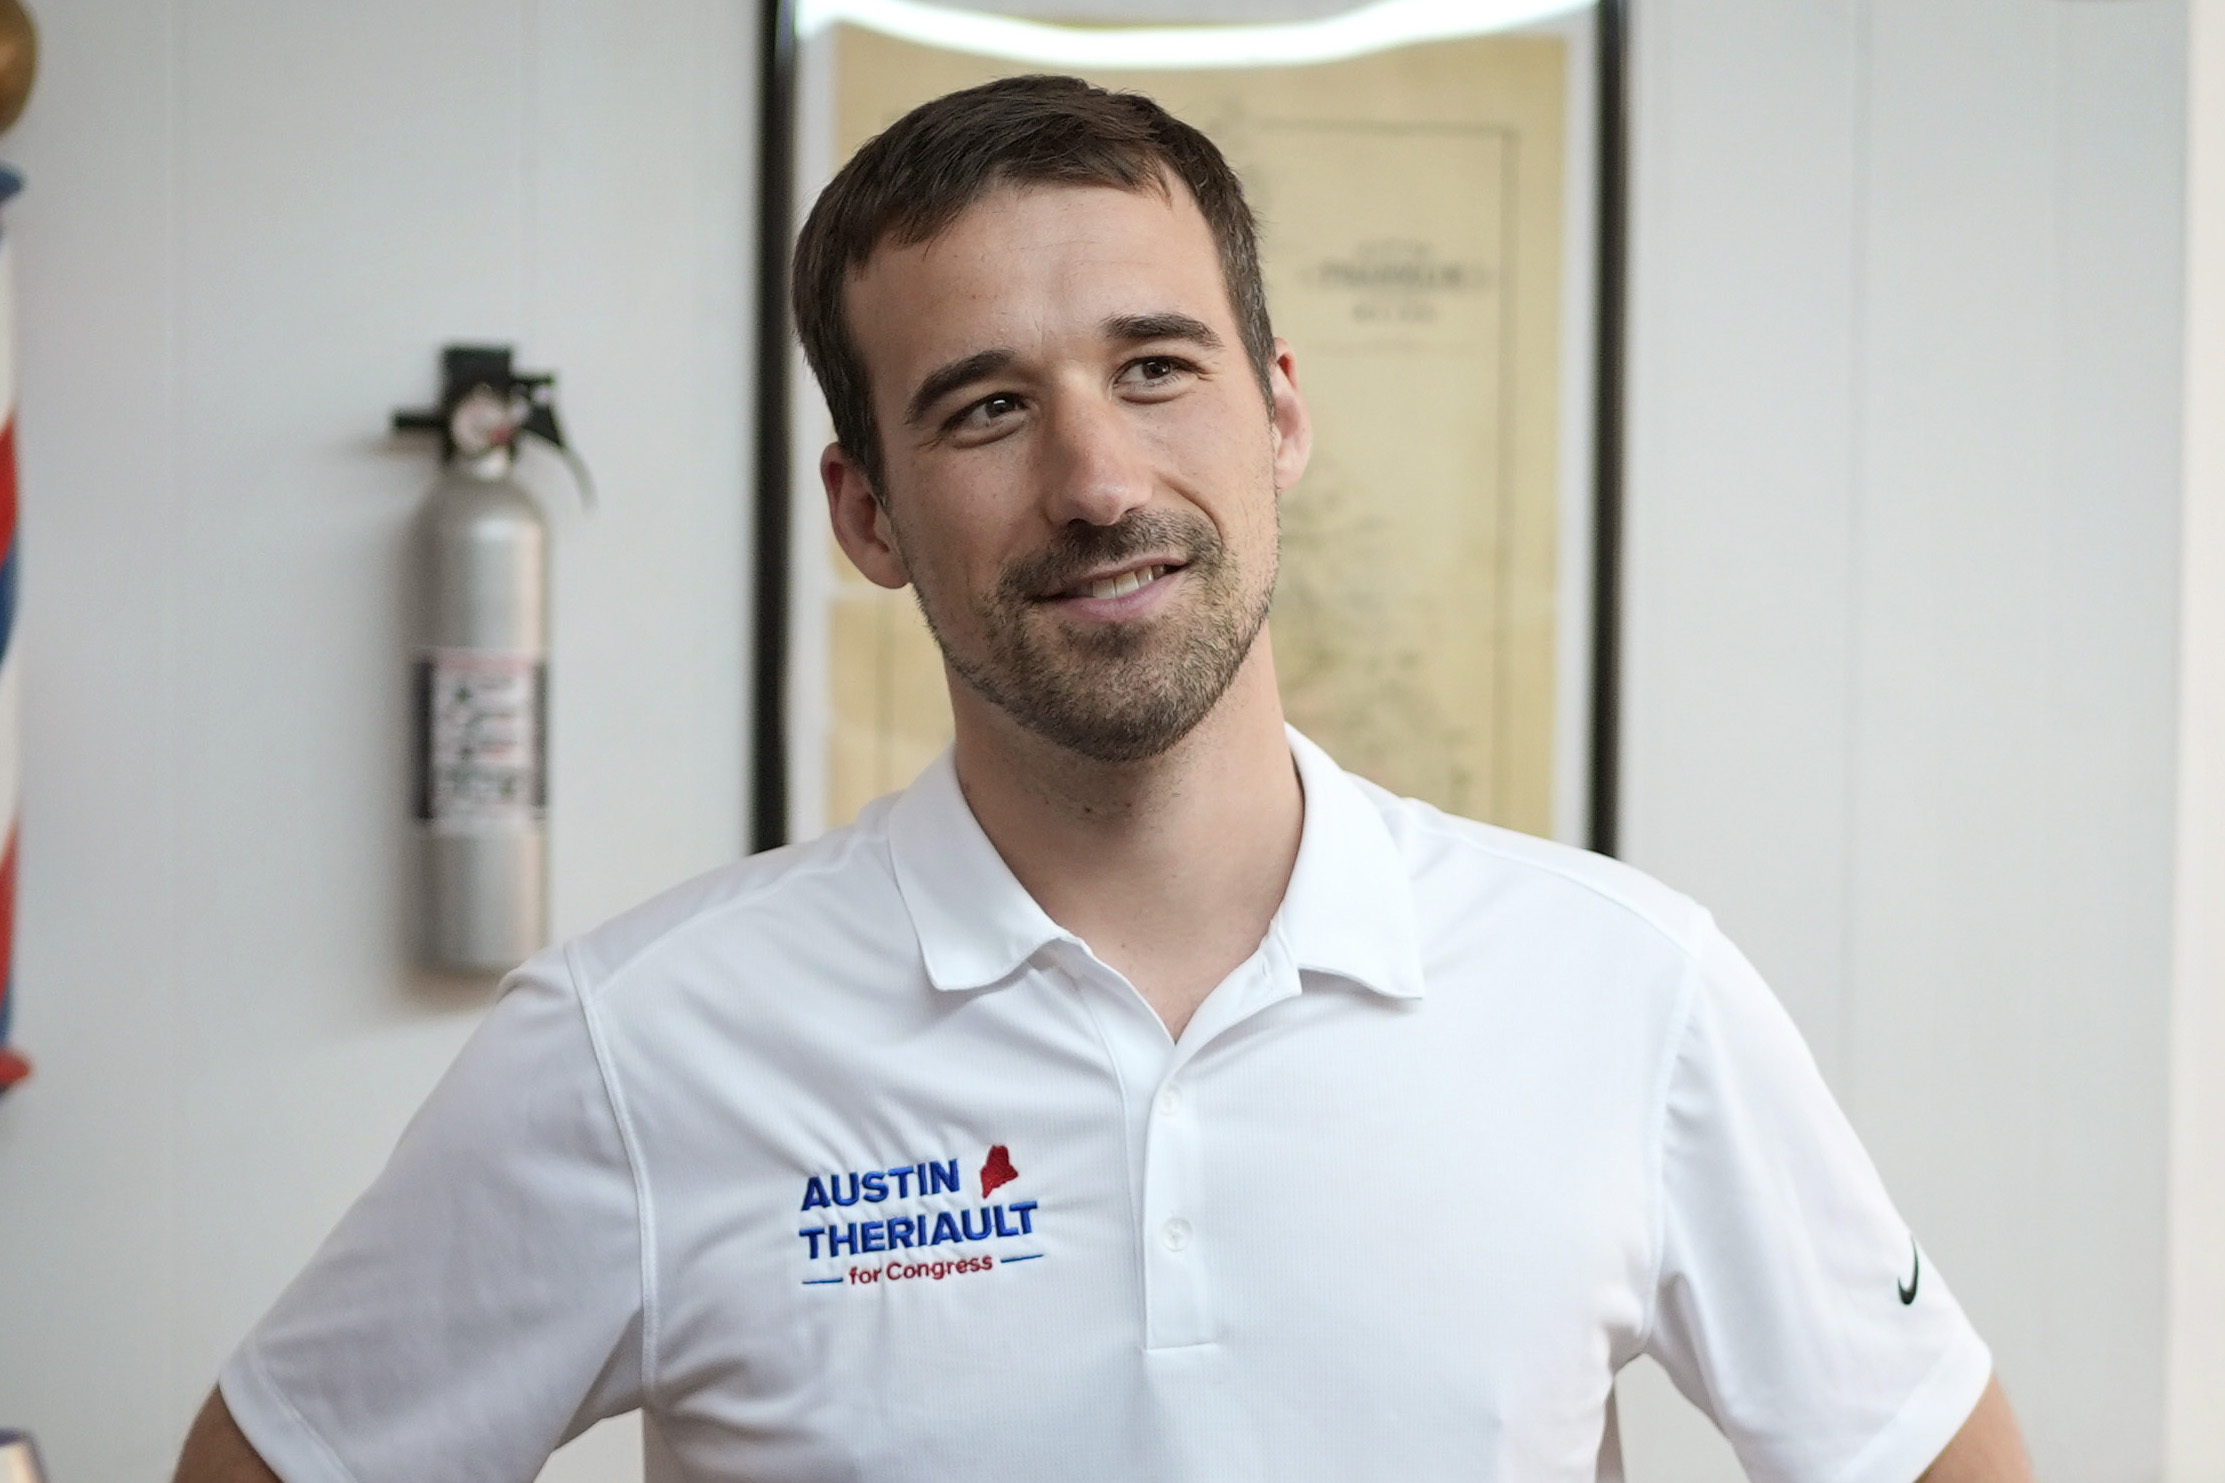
x=917, y=177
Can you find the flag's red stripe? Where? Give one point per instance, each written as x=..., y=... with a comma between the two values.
x=7, y=484
x=7, y=909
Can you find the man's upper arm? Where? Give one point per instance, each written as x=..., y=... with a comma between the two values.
x=1988, y=1449
x=481, y=1303
x=217, y=1451
x=1793, y=1304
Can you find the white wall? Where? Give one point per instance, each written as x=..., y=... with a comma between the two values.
x=2195, y=1445
x=1904, y=562
x=247, y=230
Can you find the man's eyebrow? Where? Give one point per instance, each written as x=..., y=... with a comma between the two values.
x=947, y=378
x=1129, y=328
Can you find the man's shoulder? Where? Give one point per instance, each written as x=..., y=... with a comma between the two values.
x=1457, y=864
x=736, y=905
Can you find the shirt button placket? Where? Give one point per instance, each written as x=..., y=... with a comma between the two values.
x=1177, y=1295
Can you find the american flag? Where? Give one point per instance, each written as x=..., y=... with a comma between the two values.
x=13, y=1068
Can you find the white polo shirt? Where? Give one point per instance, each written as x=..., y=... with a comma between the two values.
x=848, y=1163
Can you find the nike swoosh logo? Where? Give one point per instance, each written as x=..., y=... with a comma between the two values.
x=1915, y=1274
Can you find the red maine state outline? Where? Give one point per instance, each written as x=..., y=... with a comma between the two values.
x=998, y=1171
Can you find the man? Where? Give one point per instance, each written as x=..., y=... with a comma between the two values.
x=1137, y=1096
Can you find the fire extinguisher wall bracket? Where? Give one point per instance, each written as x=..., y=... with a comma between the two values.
x=480, y=717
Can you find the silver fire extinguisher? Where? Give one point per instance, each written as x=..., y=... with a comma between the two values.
x=481, y=674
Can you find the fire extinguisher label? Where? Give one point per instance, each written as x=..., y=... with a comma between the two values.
x=482, y=727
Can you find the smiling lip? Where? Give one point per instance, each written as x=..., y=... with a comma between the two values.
x=1118, y=584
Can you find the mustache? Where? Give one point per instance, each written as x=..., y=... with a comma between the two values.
x=1080, y=549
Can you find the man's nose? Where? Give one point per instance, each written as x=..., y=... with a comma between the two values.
x=1094, y=467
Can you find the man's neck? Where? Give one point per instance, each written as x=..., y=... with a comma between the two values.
x=1171, y=868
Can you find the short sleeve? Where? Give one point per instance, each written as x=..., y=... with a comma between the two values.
x=481, y=1303
x=1794, y=1305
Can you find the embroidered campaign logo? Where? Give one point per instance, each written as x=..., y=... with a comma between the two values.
x=916, y=1222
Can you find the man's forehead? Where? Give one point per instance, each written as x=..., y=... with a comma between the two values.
x=1027, y=249
x=1005, y=196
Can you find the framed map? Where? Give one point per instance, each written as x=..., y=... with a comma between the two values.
x=1430, y=246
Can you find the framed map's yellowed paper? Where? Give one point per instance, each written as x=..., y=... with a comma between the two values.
x=1416, y=215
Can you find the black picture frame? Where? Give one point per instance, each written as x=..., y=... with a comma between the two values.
x=773, y=493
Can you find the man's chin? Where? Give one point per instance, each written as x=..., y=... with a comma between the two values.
x=1112, y=692
x=1109, y=709
x=1078, y=643
x=1111, y=739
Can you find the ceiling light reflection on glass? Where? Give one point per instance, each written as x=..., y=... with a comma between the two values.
x=1371, y=28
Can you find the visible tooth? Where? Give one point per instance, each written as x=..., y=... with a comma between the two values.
x=1126, y=582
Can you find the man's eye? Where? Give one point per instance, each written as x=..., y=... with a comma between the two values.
x=988, y=410
x=1156, y=373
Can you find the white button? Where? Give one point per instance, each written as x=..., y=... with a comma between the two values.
x=1175, y=1234
x=1170, y=1100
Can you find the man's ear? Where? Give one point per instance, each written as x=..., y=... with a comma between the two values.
x=1293, y=424
x=861, y=525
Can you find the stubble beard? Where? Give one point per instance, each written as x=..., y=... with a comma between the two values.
x=1113, y=692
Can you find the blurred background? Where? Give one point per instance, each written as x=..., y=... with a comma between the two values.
x=1923, y=624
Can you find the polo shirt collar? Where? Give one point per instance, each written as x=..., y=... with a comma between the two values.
x=976, y=923
x=1348, y=911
